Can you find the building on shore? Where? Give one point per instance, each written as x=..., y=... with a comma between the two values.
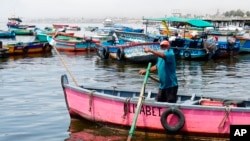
x=225, y=21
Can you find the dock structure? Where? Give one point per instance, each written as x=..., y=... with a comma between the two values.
x=225, y=21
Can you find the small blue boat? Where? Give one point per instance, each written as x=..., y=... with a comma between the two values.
x=7, y=34
x=227, y=44
x=130, y=51
x=128, y=29
x=183, y=47
x=135, y=37
x=244, y=44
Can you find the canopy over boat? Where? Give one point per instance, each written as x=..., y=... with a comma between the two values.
x=192, y=22
x=15, y=19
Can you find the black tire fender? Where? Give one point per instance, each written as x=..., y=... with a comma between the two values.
x=120, y=54
x=172, y=128
x=102, y=52
x=25, y=49
x=105, y=53
x=187, y=54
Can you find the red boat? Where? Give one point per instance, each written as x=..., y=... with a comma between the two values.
x=73, y=27
x=16, y=23
x=60, y=25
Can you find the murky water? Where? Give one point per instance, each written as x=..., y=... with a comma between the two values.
x=33, y=105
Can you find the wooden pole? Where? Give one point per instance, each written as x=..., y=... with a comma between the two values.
x=154, y=78
x=139, y=104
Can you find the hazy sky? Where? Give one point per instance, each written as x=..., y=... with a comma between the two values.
x=115, y=8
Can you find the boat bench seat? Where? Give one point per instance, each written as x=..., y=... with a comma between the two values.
x=238, y=103
x=190, y=102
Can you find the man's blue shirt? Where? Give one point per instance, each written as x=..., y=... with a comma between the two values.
x=167, y=70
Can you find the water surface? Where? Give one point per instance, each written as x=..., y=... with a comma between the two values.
x=32, y=100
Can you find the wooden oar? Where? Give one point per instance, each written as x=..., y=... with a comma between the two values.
x=154, y=78
x=66, y=67
x=139, y=104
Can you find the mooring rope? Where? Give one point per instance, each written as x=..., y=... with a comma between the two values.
x=223, y=121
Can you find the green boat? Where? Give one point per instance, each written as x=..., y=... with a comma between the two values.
x=22, y=31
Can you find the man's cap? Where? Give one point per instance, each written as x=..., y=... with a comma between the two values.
x=165, y=43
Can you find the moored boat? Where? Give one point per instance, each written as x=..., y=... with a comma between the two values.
x=108, y=22
x=227, y=45
x=135, y=37
x=244, y=44
x=192, y=114
x=73, y=27
x=131, y=51
x=21, y=31
x=7, y=34
x=27, y=47
x=71, y=43
x=103, y=34
x=15, y=22
x=60, y=25
x=43, y=34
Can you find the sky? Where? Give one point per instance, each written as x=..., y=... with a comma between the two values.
x=114, y=8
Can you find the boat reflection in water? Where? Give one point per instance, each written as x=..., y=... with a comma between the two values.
x=34, y=55
x=84, y=130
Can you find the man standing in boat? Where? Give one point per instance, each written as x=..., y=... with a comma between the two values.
x=166, y=67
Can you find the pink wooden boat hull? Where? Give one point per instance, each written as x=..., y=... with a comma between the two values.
x=199, y=119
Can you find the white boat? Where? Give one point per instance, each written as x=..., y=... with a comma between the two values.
x=231, y=28
x=108, y=23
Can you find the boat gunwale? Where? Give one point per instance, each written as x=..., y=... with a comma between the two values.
x=151, y=102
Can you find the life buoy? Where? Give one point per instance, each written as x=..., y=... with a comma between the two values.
x=25, y=49
x=187, y=54
x=120, y=54
x=172, y=128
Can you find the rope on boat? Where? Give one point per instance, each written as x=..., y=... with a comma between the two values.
x=65, y=65
x=223, y=121
x=126, y=107
x=91, y=99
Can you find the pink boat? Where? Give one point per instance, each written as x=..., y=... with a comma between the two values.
x=60, y=25
x=192, y=114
